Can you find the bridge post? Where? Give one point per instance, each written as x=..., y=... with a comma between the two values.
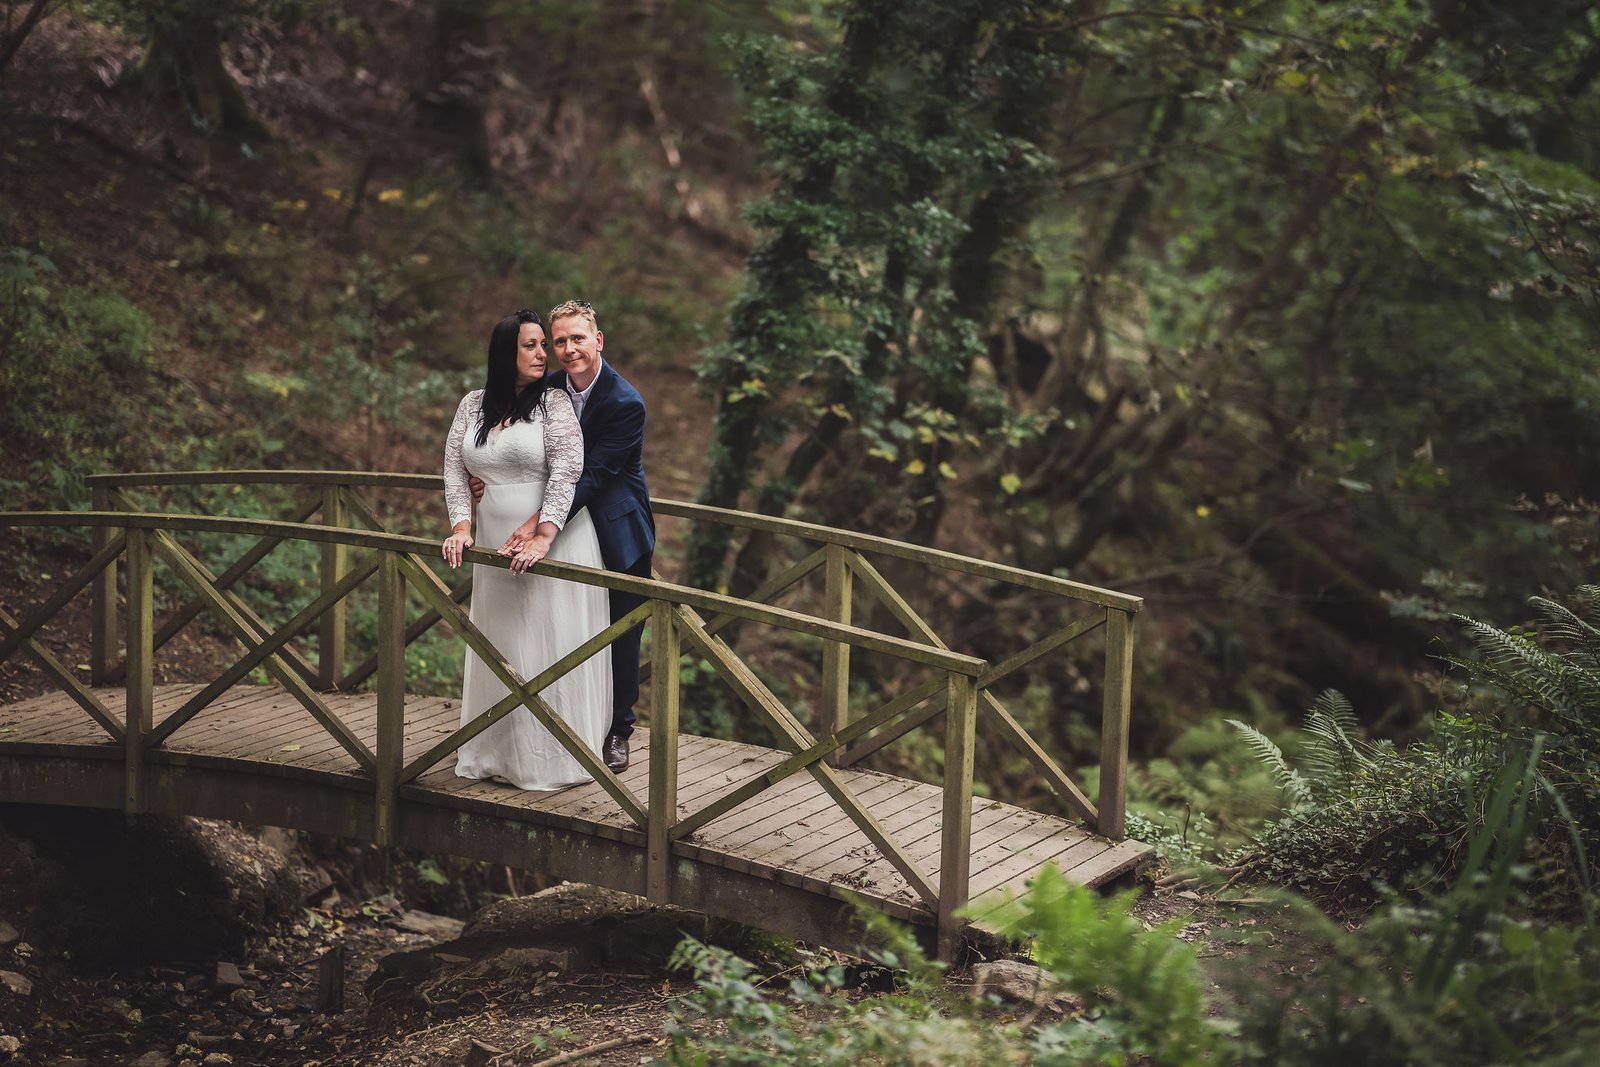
x=955, y=826
x=103, y=600
x=391, y=695
x=665, y=644
x=834, y=714
x=139, y=681
x=335, y=561
x=1115, y=709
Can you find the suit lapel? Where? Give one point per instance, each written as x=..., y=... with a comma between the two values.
x=602, y=389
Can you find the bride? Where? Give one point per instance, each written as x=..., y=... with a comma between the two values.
x=524, y=442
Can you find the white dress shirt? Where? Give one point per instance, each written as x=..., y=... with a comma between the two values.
x=581, y=398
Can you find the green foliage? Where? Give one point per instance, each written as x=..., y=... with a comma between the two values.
x=732, y=1017
x=1369, y=818
x=1203, y=798
x=1146, y=991
x=74, y=363
x=1362, y=817
x=1455, y=978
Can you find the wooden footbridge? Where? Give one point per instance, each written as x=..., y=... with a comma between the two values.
x=292, y=735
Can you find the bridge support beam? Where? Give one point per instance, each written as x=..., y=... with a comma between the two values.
x=835, y=711
x=140, y=680
x=103, y=601
x=335, y=561
x=1115, y=709
x=665, y=646
x=955, y=831
x=391, y=695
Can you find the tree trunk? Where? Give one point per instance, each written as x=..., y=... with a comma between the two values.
x=183, y=63
x=452, y=108
x=15, y=36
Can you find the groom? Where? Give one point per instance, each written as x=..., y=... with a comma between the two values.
x=612, y=487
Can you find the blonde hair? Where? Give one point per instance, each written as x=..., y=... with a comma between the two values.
x=574, y=307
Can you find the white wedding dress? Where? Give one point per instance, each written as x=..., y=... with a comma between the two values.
x=533, y=619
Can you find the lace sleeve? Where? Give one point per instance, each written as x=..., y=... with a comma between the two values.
x=563, y=453
x=457, y=497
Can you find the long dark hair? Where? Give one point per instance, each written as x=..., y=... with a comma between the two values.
x=501, y=401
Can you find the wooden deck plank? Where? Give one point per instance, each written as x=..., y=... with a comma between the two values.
x=792, y=833
x=838, y=834
x=1062, y=850
x=780, y=815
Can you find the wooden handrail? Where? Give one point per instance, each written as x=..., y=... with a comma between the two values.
x=806, y=531
x=683, y=595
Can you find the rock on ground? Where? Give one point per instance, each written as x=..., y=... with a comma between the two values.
x=159, y=889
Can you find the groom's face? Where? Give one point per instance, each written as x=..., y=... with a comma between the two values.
x=577, y=346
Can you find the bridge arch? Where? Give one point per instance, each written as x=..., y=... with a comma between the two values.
x=783, y=838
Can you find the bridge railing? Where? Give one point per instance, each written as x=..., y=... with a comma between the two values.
x=681, y=618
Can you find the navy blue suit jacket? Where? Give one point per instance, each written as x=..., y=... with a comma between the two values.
x=612, y=486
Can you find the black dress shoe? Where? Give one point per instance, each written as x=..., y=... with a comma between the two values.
x=615, y=753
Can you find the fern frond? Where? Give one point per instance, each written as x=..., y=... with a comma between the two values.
x=1287, y=778
x=1334, y=753
x=1522, y=668
x=1567, y=625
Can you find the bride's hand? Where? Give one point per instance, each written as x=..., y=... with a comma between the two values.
x=520, y=537
x=457, y=543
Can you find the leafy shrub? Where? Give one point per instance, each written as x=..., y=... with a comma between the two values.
x=732, y=1018
x=1454, y=978
x=1144, y=988
x=1362, y=817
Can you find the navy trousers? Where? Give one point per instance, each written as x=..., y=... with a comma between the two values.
x=625, y=655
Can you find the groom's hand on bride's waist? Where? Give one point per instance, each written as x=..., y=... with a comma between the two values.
x=475, y=484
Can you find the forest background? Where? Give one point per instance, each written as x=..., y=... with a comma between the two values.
x=1281, y=315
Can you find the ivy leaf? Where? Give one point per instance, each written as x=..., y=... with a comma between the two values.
x=1010, y=483
x=947, y=471
x=916, y=467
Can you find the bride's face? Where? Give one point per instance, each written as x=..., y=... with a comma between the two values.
x=532, y=354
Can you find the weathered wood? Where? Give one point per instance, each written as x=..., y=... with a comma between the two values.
x=801, y=760
x=195, y=575
x=414, y=629
x=335, y=561
x=103, y=601
x=330, y=981
x=1010, y=728
x=765, y=592
x=1115, y=706
x=74, y=688
x=357, y=505
x=187, y=612
x=30, y=623
x=192, y=567
x=793, y=735
x=820, y=852
x=375, y=479
x=833, y=710
x=391, y=693
x=960, y=720
x=910, y=699
x=676, y=508
x=1045, y=645
x=253, y=657
x=883, y=546
x=1043, y=762
x=664, y=692
x=138, y=711
x=437, y=594
x=798, y=622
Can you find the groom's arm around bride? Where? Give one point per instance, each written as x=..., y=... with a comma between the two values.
x=611, y=414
